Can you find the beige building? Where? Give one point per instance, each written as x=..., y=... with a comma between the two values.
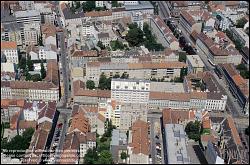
x=139, y=144
x=166, y=70
x=217, y=53
x=163, y=33
x=195, y=64
x=29, y=90
x=9, y=49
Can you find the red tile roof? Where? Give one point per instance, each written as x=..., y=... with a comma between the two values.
x=140, y=141
x=8, y=45
x=189, y=19
x=79, y=122
x=234, y=131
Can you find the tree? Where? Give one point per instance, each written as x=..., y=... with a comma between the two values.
x=193, y=130
x=100, y=44
x=116, y=45
x=90, y=84
x=105, y=158
x=91, y=156
x=123, y=155
x=30, y=64
x=182, y=57
x=22, y=63
x=153, y=79
x=124, y=75
x=183, y=73
x=247, y=131
x=43, y=71
x=241, y=22
x=40, y=41
x=78, y=4
x=116, y=75
x=114, y=3
x=102, y=81
x=135, y=35
x=36, y=77
x=88, y=5
x=238, y=44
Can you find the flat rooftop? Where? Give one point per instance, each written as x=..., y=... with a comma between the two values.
x=195, y=61
x=166, y=87
x=176, y=144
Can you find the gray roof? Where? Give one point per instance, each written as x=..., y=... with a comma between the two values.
x=142, y=5
x=6, y=17
x=68, y=14
x=118, y=137
x=13, y=26
x=103, y=35
x=27, y=13
x=131, y=53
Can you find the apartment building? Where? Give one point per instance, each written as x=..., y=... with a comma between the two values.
x=99, y=15
x=165, y=70
x=222, y=23
x=49, y=34
x=27, y=5
x=130, y=90
x=138, y=143
x=175, y=7
x=145, y=7
x=9, y=107
x=47, y=52
x=12, y=32
x=111, y=110
x=163, y=33
x=175, y=148
x=87, y=28
x=238, y=33
x=28, y=17
x=237, y=85
x=217, y=53
x=118, y=145
x=189, y=23
x=104, y=38
x=195, y=64
x=9, y=49
x=46, y=11
x=99, y=3
x=89, y=97
x=167, y=55
x=29, y=90
x=30, y=34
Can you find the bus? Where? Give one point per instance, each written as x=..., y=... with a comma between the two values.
x=211, y=62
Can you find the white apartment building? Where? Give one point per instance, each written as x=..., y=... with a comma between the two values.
x=223, y=23
x=87, y=28
x=47, y=52
x=31, y=33
x=99, y=3
x=29, y=90
x=9, y=49
x=28, y=16
x=241, y=35
x=32, y=113
x=27, y=5
x=47, y=15
x=195, y=64
x=137, y=18
x=130, y=90
x=130, y=2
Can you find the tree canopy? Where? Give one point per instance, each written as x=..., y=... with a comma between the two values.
x=90, y=84
x=134, y=35
x=43, y=71
x=241, y=22
x=104, y=82
x=124, y=155
x=100, y=44
x=115, y=45
x=193, y=130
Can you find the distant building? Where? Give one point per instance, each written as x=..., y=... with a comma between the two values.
x=119, y=142
x=130, y=90
x=9, y=49
x=28, y=17
x=195, y=64
x=27, y=5
x=138, y=143
x=99, y=3
x=29, y=90
x=163, y=34
x=175, y=147
x=145, y=7
x=238, y=33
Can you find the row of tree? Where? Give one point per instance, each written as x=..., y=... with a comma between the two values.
x=104, y=82
x=15, y=147
x=136, y=37
x=101, y=154
x=237, y=42
x=244, y=72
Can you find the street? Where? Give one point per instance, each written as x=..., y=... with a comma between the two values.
x=156, y=144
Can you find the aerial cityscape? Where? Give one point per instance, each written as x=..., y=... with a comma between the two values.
x=124, y=82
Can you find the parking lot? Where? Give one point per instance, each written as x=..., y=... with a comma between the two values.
x=55, y=141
